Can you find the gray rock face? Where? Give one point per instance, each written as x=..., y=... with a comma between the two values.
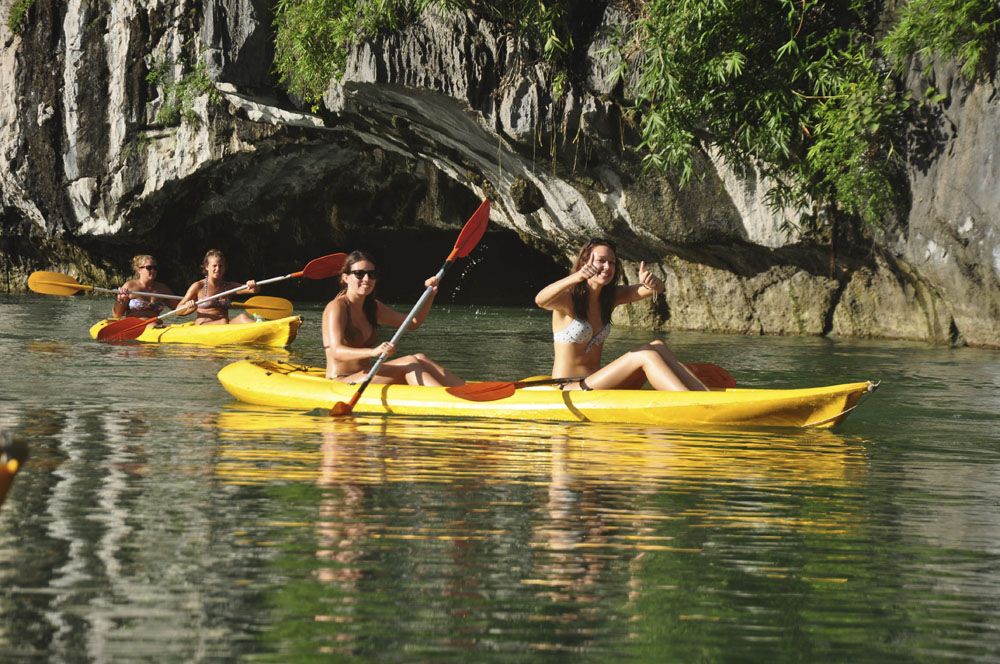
x=424, y=123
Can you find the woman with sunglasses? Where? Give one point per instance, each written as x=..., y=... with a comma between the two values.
x=581, y=306
x=350, y=332
x=215, y=311
x=141, y=306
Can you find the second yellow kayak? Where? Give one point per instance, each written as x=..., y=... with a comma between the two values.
x=280, y=332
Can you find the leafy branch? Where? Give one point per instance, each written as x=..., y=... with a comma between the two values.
x=16, y=15
x=179, y=96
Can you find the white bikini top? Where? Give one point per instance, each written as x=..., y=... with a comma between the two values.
x=579, y=331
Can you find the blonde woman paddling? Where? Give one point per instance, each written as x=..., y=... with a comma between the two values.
x=581, y=306
x=141, y=306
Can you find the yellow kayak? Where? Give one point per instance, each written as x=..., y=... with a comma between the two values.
x=286, y=385
x=279, y=332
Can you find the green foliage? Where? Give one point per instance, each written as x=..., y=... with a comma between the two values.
x=179, y=96
x=788, y=88
x=967, y=30
x=311, y=40
x=312, y=37
x=15, y=15
x=792, y=89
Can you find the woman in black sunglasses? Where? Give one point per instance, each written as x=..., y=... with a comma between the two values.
x=350, y=332
x=145, y=281
x=581, y=306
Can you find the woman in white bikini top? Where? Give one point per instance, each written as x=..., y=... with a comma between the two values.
x=583, y=302
x=580, y=331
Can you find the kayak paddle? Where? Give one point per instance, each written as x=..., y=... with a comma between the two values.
x=471, y=233
x=130, y=328
x=496, y=390
x=55, y=283
x=712, y=375
x=267, y=307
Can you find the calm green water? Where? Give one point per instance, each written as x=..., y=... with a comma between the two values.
x=159, y=520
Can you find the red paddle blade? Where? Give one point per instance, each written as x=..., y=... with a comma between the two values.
x=340, y=409
x=473, y=230
x=484, y=391
x=325, y=266
x=711, y=374
x=123, y=330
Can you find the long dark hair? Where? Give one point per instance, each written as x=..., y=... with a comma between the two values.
x=369, y=306
x=606, y=298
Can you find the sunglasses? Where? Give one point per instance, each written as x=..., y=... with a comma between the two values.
x=149, y=267
x=360, y=274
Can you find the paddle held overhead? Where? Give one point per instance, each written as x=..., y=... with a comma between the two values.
x=471, y=233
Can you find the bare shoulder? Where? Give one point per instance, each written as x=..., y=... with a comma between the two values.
x=334, y=307
x=194, y=288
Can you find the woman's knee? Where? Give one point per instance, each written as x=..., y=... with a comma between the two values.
x=650, y=355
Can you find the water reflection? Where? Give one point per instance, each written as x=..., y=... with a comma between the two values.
x=155, y=520
x=556, y=518
x=427, y=450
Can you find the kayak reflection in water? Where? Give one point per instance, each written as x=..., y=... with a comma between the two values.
x=581, y=306
x=141, y=306
x=215, y=311
x=350, y=332
x=13, y=454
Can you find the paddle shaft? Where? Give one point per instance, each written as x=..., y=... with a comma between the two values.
x=544, y=381
x=136, y=292
x=711, y=375
x=248, y=303
x=235, y=290
x=68, y=284
x=209, y=298
x=402, y=328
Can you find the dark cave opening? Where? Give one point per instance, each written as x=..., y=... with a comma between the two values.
x=500, y=271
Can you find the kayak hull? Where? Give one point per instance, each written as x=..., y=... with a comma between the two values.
x=279, y=332
x=285, y=385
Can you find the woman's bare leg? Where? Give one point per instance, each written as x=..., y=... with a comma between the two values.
x=681, y=371
x=416, y=369
x=655, y=361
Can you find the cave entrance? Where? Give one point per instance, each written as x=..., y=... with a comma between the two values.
x=500, y=271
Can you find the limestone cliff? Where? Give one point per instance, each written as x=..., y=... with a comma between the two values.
x=99, y=159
